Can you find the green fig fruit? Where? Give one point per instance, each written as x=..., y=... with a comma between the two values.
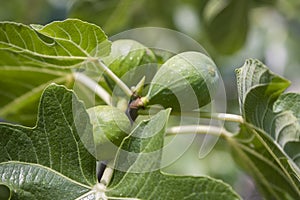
x=125, y=55
x=183, y=79
x=110, y=127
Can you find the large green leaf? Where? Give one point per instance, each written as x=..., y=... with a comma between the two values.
x=43, y=54
x=137, y=173
x=66, y=43
x=269, y=140
x=50, y=160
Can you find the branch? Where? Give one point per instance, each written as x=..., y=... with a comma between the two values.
x=199, y=129
x=223, y=116
x=208, y=115
x=94, y=86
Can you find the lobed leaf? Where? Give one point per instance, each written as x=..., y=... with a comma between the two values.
x=43, y=54
x=137, y=170
x=269, y=141
x=54, y=158
x=59, y=44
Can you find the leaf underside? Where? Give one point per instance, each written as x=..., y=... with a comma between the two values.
x=269, y=141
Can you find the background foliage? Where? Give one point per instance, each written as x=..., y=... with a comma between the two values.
x=230, y=31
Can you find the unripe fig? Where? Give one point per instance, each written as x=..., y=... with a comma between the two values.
x=110, y=127
x=181, y=77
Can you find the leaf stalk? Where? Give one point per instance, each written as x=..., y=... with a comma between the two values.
x=115, y=78
x=199, y=129
x=94, y=86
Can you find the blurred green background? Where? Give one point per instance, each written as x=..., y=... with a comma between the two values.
x=230, y=31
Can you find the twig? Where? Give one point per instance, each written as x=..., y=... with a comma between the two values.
x=199, y=129
x=208, y=115
x=223, y=116
x=91, y=84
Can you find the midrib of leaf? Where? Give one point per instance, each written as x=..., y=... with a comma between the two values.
x=44, y=55
x=86, y=195
x=19, y=100
x=49, y=169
